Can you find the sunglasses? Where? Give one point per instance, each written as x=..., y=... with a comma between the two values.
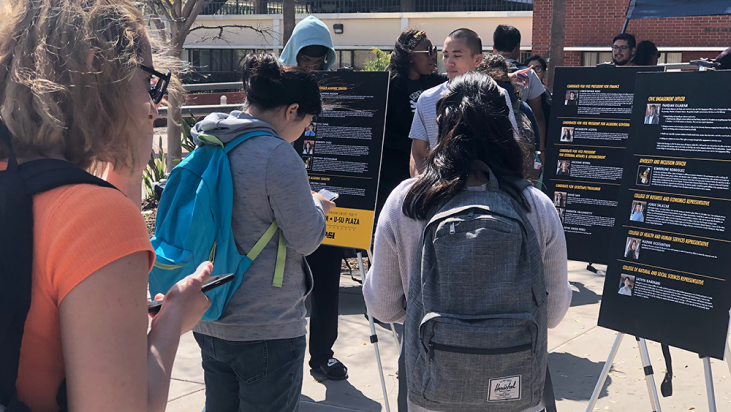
x=537, y=69
x=158, y=83
x=432, y=51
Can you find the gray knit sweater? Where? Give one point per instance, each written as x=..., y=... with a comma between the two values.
x=397, y=241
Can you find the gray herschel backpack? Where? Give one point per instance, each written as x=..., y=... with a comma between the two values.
x=476, y=320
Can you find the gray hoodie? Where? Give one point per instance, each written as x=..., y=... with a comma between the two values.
x=270, y=182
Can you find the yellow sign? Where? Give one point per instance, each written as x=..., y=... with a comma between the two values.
x=350, y=228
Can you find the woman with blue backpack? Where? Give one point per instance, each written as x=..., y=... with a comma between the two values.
x=253, y=354
x=473, y=259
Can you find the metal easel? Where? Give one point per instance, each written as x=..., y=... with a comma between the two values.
x=374, y=337
x=649, y=375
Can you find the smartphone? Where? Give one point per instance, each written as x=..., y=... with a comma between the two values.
x=153, y=307
x=328, y=194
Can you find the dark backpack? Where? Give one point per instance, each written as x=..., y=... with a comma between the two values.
x=475, y=334
x=18, y=184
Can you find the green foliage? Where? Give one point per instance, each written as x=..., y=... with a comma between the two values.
x=381, y=61
x=154, y=172
x=187, y=142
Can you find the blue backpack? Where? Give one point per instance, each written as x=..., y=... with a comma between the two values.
x=194, y=225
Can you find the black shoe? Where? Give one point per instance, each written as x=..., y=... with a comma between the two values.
x=334, y=370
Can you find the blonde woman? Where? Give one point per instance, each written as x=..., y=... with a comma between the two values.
x=75, y=85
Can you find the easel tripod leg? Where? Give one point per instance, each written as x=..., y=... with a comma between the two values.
x=709, y=384
x=649, y=376
x=605, y=372
x=374, y=337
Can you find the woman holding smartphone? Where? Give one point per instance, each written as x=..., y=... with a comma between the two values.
x=253, y=355
x=76, y=86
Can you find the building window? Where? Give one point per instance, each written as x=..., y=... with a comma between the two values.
x=669, y=58
x=524, y=55
x=344, y=58
x=594, y=58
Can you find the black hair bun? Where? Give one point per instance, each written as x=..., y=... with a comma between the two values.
x=258, y=67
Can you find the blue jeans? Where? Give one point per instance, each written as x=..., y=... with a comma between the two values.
x=256, y=376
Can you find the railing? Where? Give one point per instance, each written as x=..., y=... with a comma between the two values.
x=213, y=86
x=201, y=75
x=236, y=7
x=197, y=111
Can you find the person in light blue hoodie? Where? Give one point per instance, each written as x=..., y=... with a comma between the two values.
x=310, y=47
x=253, y=356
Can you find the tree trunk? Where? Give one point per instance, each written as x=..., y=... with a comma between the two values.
x=558, y=37
x=288, y=16
x=175, y=151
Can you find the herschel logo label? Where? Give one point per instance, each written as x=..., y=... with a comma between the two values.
x=504, y=389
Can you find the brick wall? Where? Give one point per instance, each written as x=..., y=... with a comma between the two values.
x=596, y=22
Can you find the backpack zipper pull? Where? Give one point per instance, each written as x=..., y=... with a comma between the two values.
x=451, y=228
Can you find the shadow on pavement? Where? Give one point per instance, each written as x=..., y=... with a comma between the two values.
x=574, y=378
x=584, y=296
x=340, y=394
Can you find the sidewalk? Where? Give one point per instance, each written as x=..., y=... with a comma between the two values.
x=577, y=352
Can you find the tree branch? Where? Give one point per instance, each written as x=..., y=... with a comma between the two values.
x=190, y=18
x=228, y=26
x=189, y=4
x=162, y=6
x=155, y=18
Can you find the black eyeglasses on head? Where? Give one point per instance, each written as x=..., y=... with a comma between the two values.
x=158, y=83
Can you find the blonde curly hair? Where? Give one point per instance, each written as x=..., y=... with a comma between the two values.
x=51, y=99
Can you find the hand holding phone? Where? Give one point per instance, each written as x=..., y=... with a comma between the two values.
x=153, y=307
x=328, y=194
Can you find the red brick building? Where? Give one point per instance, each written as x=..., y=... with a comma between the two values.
x=592, y=24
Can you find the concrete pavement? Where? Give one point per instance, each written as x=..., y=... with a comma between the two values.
x=578, y=350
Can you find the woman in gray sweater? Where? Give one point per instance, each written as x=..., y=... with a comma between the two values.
x=484, y=136
x=253, y=356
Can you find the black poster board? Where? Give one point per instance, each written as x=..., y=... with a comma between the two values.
x=587, y=137
x=670, y=259
x=342, y=150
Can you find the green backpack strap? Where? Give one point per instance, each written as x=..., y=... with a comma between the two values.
x=281, y=258
x=281, y=252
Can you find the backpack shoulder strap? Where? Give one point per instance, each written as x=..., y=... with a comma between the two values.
x=46, y=174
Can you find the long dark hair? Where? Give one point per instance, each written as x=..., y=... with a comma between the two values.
x=474, y=124
x=269, y=85
x=398, y=66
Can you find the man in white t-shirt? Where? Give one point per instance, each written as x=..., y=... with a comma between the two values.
x=462, y=53
x=506, y=42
